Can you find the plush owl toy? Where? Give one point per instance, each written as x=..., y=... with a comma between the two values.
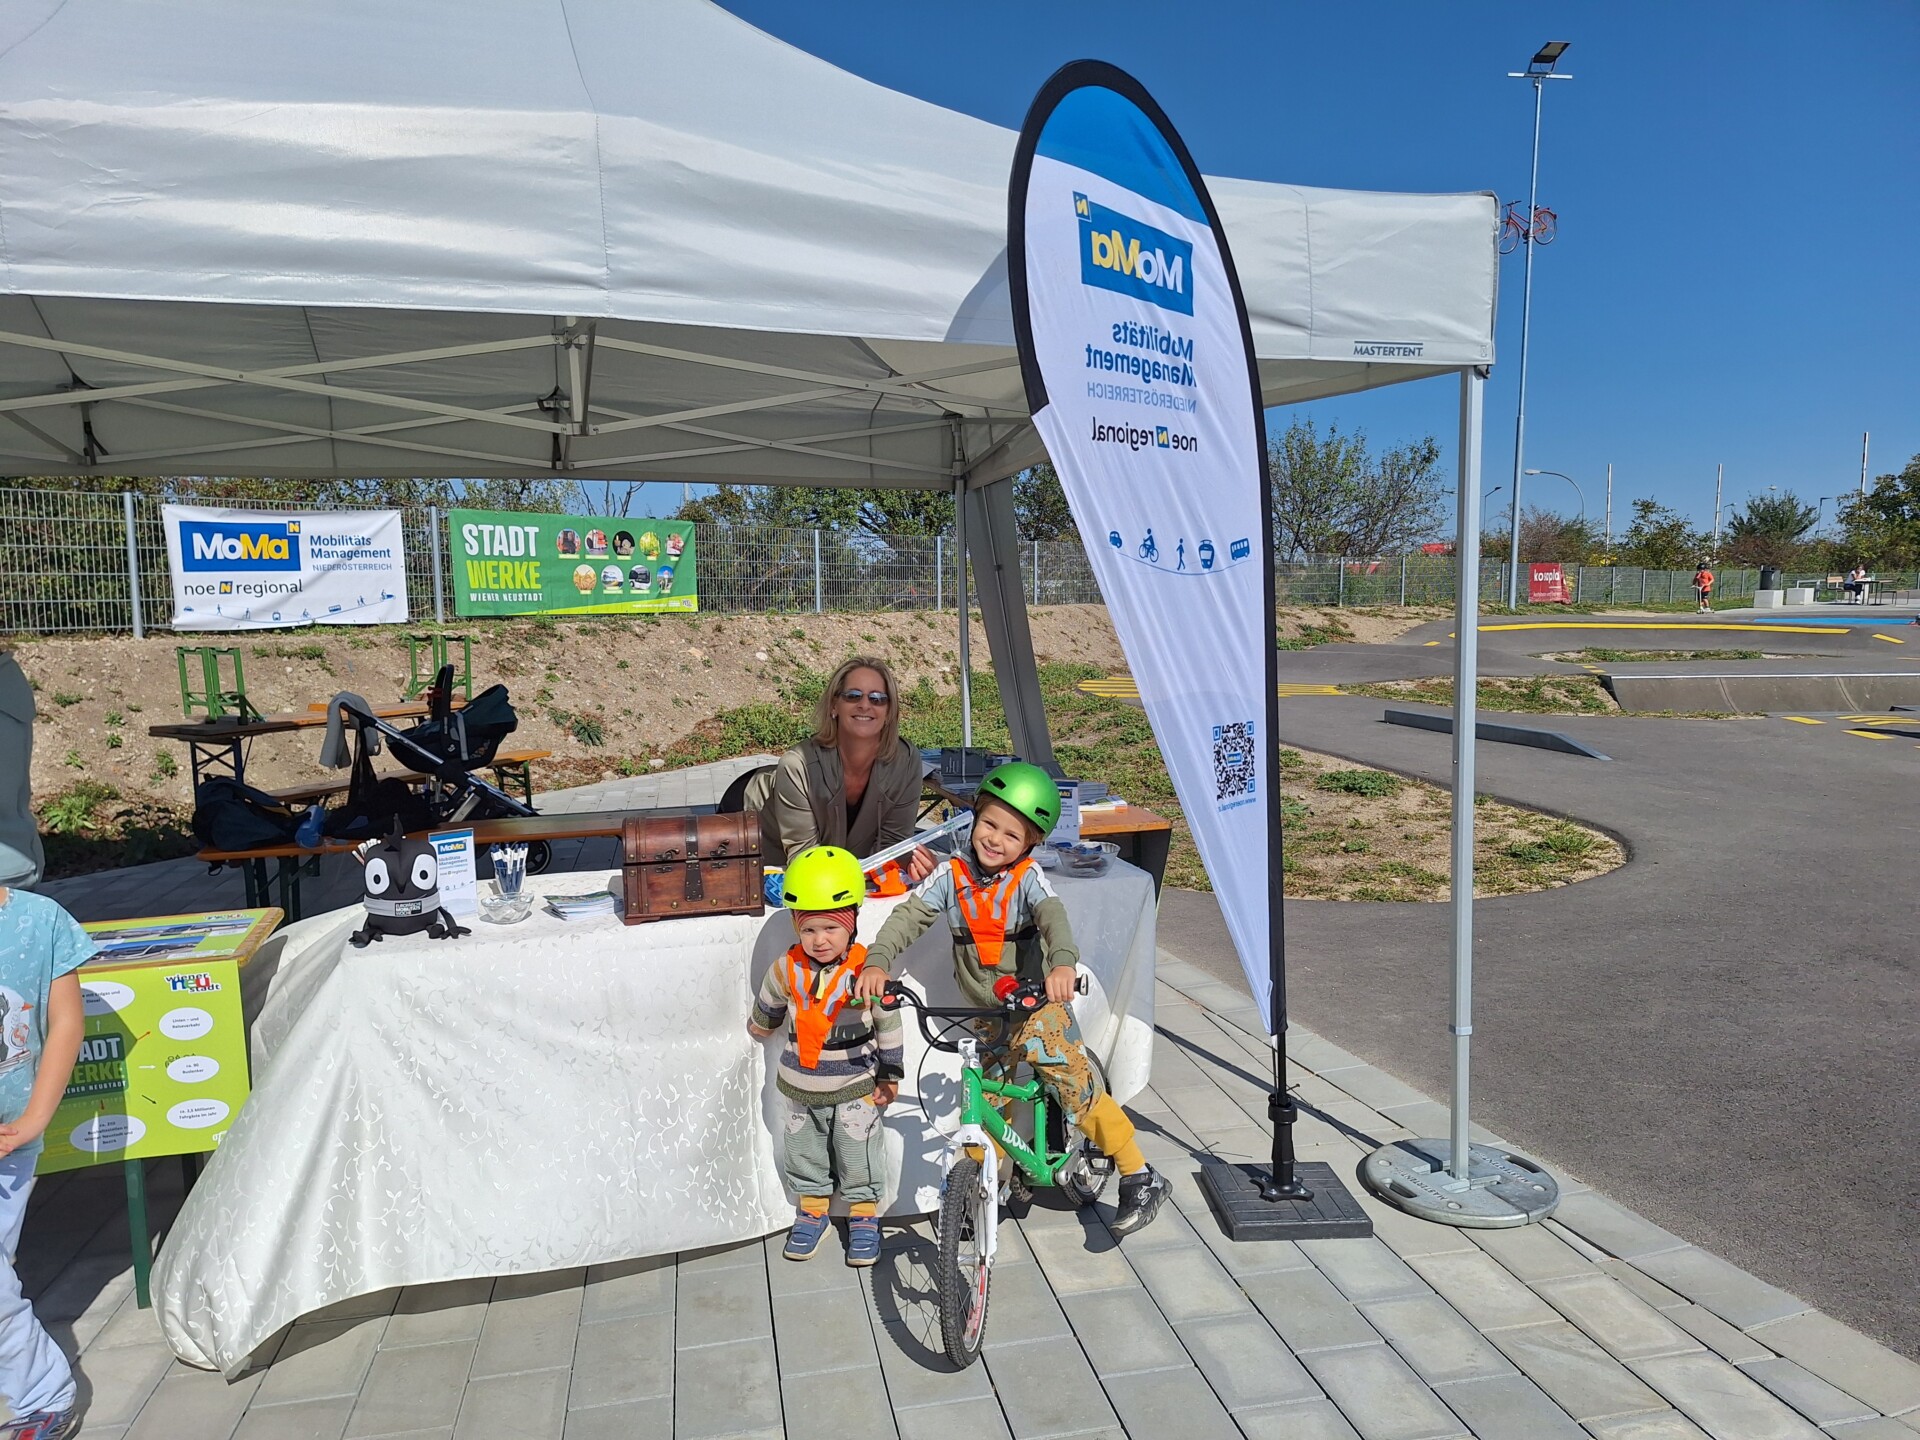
x=401, y=881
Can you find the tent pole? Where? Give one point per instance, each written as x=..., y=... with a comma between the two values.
x=1466, y=679
x=960, y=590
x=1453, y=1180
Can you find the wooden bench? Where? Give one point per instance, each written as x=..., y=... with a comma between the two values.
x=511, y=768
x=294, y=862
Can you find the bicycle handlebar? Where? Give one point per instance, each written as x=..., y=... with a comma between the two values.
x=1024, y=999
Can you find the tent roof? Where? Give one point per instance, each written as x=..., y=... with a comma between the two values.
x=602, y=238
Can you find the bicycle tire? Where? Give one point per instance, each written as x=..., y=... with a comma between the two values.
x=963, y=1286
x=539, y=856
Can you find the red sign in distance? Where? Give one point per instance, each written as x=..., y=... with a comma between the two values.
x=1546, y=584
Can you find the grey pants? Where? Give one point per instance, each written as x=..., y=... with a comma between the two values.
x=836, y=1143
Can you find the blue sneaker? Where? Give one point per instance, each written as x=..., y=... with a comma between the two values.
x=44, y=1425
x=804, y=1238
x=863, y=1240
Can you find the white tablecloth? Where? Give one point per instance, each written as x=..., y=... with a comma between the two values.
x=543, y=1096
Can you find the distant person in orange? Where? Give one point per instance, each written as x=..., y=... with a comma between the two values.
x=1703, y=587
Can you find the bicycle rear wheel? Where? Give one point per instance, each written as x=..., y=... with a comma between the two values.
x=964, y=1272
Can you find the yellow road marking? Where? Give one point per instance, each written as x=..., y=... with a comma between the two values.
x=1871, y=735
x=1879, y=719
x=1802, y=720
x=1625, y=625
x=1121, y=687
x=1436, y=642
x=1889, y=639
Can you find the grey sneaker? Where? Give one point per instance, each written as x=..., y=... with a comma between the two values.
x=1141, y=1197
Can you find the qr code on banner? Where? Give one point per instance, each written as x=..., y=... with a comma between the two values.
x=1233, y=761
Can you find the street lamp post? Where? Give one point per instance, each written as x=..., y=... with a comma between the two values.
x=1539, y=70
x=1576, y=489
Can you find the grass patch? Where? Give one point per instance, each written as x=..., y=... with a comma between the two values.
x=1604, y=655
x=1349, y=832
x=1527, y=694
x=1370, y=783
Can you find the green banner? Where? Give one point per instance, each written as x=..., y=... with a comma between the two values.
x=508, y=562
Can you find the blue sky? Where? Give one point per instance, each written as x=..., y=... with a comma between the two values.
x=1738, y=187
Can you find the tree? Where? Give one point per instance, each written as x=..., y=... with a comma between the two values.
x=1882, y=527
x=1660, y=539
x=1331, y=496
x=1548, y=537
x=1771, y=530
x=1040, y=505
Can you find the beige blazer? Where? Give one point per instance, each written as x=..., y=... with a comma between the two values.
x=803, y=801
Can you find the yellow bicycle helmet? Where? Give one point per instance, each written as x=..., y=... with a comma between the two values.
x=823, y=877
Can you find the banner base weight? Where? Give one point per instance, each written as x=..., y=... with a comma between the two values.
x=1503, y=1189
x=1329, y=1213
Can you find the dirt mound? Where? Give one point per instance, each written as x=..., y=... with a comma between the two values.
x=638, y=685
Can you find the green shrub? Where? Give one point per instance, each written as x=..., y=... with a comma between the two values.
x=1372, y=784
x=73, y=761
x=165, y=766
x=72, y=810
x=115, y=741
x=64, y=698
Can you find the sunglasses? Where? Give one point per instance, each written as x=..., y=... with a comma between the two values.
x=874, y=697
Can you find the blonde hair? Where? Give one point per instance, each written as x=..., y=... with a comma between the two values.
x=826, y=724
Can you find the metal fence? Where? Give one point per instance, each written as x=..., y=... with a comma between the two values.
x=97, y=562
x=80, y=561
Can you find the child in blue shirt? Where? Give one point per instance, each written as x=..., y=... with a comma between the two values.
x=40, y=1031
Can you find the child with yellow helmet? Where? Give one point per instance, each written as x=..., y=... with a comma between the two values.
x=841, y=1065
x=1006, y=920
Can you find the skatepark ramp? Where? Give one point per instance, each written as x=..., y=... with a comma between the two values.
x=1762, y=693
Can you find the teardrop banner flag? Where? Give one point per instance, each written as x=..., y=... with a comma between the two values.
x=1140, y=376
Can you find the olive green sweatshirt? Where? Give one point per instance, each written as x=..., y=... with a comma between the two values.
x=1039, y=937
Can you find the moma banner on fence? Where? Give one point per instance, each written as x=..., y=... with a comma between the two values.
x=261, y=569
x=507, y=562
x=1139, y=372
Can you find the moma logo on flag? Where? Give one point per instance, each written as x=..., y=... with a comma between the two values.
x=1133, y=258
x=264, y=545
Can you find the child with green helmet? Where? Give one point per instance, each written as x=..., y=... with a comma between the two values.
x=841, y=1064
x=1006, y=920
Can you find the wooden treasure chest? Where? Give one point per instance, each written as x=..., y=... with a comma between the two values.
x=699, y=865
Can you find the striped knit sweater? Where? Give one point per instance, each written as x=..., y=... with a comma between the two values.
x=863, y=1046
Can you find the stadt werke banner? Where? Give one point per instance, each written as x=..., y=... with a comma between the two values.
x=1139, y=373
x=267, y=569
x=508, y=562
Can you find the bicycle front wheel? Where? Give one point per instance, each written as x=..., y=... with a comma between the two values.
x=964, y=1267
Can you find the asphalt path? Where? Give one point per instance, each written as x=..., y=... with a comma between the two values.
x=1720, y=1033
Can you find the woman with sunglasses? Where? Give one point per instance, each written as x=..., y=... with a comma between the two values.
x=855, y=783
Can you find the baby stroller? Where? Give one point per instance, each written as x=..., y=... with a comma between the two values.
x=446, y=747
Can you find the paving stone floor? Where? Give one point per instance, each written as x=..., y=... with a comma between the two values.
x=1594, y=1324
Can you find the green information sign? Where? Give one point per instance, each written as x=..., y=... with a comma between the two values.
x=508, y=562
x=163, y=1063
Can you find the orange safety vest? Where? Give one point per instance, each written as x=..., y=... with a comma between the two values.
x=985, y=907
x=815, y=1006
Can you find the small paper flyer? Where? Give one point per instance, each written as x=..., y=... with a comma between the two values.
x=459, y=886
x=1069, y=826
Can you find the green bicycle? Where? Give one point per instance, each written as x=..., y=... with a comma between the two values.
x=971, y=1193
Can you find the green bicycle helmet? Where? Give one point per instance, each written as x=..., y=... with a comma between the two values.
x=1027, y=790
x=823, y=877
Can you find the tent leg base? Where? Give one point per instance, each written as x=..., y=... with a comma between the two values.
x=1503, y=1189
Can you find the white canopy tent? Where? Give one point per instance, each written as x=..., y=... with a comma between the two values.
x=592, y=238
